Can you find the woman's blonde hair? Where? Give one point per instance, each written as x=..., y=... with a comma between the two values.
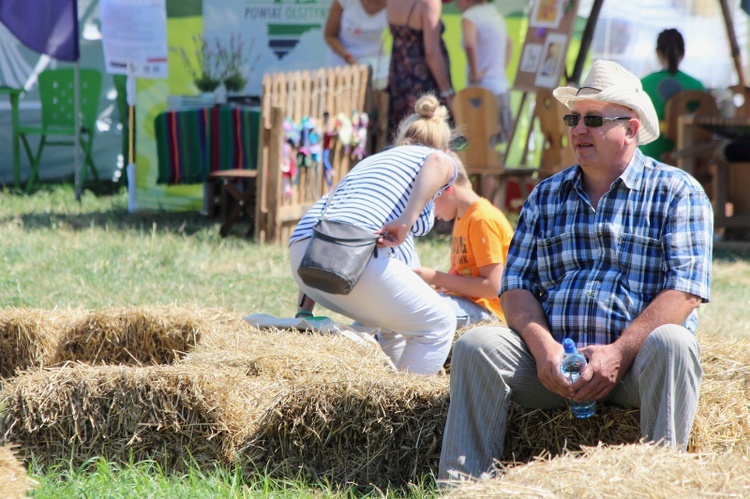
x=427, y=125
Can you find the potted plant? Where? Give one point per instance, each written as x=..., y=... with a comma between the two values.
x=205, y=65
x=234, y=62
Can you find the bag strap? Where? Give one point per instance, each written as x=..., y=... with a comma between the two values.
x=328, y=199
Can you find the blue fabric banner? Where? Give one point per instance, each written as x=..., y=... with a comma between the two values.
x=46, y=26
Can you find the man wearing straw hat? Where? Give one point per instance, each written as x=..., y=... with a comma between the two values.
x=613, y=252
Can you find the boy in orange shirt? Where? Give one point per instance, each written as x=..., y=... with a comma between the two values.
x=481, y=237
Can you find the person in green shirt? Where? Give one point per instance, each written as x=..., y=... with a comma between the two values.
x=661, y=85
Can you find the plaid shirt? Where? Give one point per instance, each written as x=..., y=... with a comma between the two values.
x=594, y=271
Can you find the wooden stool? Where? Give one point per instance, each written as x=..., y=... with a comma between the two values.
x=236, y=197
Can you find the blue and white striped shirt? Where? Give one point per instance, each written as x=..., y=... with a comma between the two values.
x=375, y=192
x=594, y=271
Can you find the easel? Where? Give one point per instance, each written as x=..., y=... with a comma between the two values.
x=541, y=67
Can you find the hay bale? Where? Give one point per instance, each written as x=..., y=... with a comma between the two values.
x=384, y=431
x=28, y=337
x=14, y=482
x=539, y=432
x=722, y=423
x=132, y=336
x=620, y=471
x=289, y=355
x=171, y=414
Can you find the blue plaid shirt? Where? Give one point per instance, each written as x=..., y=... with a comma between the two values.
x=594, y=271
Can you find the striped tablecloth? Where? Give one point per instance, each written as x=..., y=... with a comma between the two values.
x=193, y=143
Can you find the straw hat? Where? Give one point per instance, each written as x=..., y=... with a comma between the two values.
x=609, y=82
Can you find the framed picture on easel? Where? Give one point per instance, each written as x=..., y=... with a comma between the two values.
x=546, y=45
x=553, y=56
x=546, y=14
x=541, y=69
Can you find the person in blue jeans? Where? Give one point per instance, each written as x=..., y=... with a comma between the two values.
x=613, y=252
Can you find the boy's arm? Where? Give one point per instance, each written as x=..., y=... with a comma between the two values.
x=485, y=285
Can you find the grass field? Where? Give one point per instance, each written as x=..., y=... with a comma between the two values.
x=58, y=253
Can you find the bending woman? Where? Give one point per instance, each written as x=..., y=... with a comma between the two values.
x=391, y=193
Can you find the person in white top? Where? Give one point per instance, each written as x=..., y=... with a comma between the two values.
x=354, y=33
x=488, y=51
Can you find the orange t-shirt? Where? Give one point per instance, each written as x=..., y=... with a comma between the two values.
x=481, y=237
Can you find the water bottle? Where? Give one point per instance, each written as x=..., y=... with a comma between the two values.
x=573, y=362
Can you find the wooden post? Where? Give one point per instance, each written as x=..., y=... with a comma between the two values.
x=733, y=41
x=588, y=35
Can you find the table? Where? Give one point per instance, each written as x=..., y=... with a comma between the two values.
x=14, y=94
x=723, y=189
x=234, y=197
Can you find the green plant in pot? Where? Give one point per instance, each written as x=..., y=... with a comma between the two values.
x=205, y=64
x=235, y=82
x=236, y=63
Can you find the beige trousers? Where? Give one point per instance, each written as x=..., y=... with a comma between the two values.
x=491, y=366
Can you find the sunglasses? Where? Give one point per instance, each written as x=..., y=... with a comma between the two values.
x=592, y=121
x=458, y=143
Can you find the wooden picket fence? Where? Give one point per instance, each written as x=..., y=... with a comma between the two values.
x=281, y=202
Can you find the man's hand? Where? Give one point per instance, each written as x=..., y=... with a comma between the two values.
x=602, y=373
x=548, y=371
x=604, y=370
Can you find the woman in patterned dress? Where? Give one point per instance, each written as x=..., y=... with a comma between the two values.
x=419, y=58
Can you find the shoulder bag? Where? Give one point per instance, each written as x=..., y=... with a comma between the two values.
x=336, y=255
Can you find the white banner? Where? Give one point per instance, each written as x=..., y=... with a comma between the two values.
x=134, y=37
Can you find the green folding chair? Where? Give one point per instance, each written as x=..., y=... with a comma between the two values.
x=56, y=92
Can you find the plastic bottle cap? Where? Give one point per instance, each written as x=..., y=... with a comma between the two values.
x=569, y=345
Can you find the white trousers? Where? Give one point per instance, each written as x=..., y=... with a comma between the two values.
x=492, y=365
x=417, y=325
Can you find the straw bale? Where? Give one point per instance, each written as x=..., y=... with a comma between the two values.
x=170, y=414
x=28, y=337
x=635, y=470
x=536, y=432
x=14, y=482
x=132, y=336
x=722, y=423
x=289, y=355
x=362, y=430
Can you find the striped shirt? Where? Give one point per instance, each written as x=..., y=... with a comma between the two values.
x=595, y=270
x=375, y=192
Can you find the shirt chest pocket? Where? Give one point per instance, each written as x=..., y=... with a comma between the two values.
x=642, y=262
x=558, y=256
